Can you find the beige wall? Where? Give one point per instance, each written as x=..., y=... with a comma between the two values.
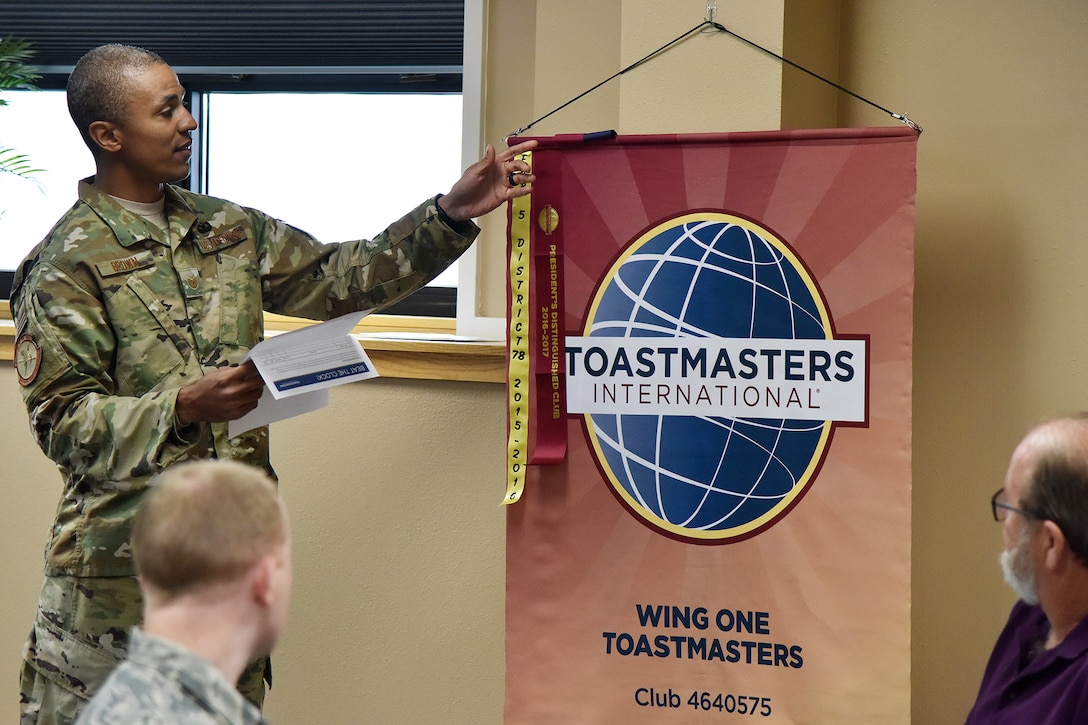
x=398, y=614
x=394, y=494
x=543, y=53
x=1000, y=297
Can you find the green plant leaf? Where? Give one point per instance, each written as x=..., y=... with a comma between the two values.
x=15, y=72
x=13, y=162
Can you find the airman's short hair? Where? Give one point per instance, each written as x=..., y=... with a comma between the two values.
x=100, y=82
x=203, y=523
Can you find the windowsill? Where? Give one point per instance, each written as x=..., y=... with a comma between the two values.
x=420, y=348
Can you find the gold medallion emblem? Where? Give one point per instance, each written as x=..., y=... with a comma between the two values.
x=548, y=219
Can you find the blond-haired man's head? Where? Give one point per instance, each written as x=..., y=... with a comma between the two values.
x=206, y=522
x=212, y=539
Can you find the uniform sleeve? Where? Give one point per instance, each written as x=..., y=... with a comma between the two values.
x=76, y=415
x=305, y=278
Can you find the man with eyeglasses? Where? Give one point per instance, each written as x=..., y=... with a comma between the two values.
x=1038, y=671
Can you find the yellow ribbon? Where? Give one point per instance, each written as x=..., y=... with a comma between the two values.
x=517, y=444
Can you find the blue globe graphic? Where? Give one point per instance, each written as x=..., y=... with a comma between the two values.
x=708, y=479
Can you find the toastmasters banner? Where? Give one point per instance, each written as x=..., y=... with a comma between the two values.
x=711, y=336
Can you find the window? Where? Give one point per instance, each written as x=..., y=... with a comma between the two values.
x=433, y=47
x=36, y=123
x=338, y=165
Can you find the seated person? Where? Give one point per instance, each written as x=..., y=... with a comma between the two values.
x=1038, y=671
x=212, y=553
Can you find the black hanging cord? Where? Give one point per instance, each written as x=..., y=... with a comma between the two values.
x=634, y=65
x=701, y=27
x=898, y=116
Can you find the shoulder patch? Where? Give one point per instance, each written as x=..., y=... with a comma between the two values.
x=209, y=245
x=27, y=359
x=140, y=260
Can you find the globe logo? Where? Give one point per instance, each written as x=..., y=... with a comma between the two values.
x=704, y=478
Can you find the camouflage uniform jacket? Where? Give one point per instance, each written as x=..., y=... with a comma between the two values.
x=160, y=682
x=113, y=318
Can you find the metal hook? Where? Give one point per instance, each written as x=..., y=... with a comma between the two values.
x=907, y=120
x=515, y=133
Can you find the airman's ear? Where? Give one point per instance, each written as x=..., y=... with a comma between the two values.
x=106, y=135
x=261, y=580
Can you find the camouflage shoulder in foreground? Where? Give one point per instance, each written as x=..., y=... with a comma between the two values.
x=163, y=683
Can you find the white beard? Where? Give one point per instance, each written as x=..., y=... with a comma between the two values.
x=1019, y=572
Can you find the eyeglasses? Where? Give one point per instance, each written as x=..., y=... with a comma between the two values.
x=1000, y=507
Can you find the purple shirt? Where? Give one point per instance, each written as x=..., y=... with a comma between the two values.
x=1024, y=683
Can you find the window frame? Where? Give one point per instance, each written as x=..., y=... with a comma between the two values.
x=470, y=322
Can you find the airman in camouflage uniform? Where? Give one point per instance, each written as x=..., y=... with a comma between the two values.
x=211, y=604
x=117, y=320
